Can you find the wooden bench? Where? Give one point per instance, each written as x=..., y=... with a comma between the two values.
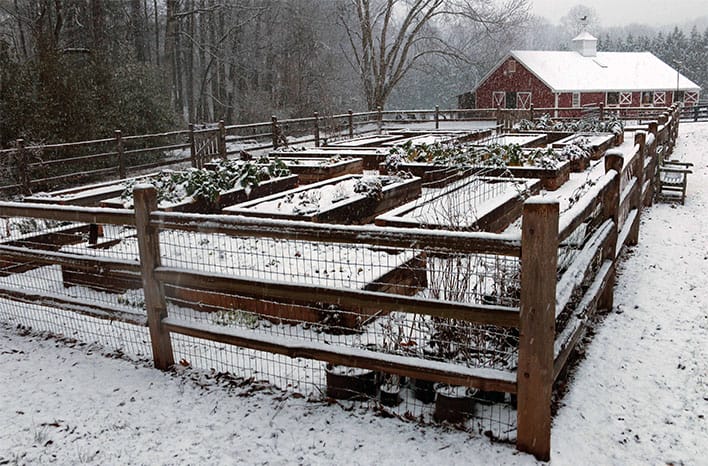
x=672, y=178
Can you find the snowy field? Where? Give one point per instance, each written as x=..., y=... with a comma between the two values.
x=639, y=397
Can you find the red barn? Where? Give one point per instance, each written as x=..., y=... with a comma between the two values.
x=580, y=77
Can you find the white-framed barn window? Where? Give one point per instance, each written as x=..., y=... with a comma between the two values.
x=690, y=97
x=511, y=66
x=523, y=100
x=576, y=99
x=499, y=99
x=625, y=98
x=659, y=99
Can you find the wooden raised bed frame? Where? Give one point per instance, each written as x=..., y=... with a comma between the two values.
x=227, y=198
x=606, y=140
x=437, y=176
x=370, y=156
x=495, y=220
x=406, y=279
x=315, y=173
x=356, y=210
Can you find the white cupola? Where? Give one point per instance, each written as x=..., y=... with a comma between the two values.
x=585, y=44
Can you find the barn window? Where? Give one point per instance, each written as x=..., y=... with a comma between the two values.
x=511, y=100
x=613, y=98
x=511, y=66
x=647, y=98
x=678, y=96
x=576, y=99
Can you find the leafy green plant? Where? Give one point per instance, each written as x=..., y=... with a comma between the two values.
x=208, y=184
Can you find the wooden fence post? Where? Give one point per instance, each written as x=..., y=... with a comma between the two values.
x=351, y=124
x=23, y=167
x=539, y=262
x=192, y=146
x=119, y=151
x=437, y=117
x=274, y=130
x=638, y=201
x=317, y=129
x=610, y=210
x=379, y=119
x=222, y=140
x=602, y=111
x=145, y=201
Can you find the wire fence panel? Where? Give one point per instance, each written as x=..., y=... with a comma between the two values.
x=83, y=282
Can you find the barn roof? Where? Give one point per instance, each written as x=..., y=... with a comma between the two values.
x=569, y=71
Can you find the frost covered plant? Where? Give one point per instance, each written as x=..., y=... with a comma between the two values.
x=208, y=184
x=307, y=202
x=575, y=152
x=369, y=186
x=547, y=158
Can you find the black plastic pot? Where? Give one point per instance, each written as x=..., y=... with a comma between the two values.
x=490, y=397
x=423, y=390
x=344, y=383
x=453, y=404
x=390, y=394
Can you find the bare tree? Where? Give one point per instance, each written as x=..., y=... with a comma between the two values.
x=388, y=37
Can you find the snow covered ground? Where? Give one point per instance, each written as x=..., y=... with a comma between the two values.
x=639, y=397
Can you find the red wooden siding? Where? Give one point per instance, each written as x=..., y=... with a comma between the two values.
x=520, y=80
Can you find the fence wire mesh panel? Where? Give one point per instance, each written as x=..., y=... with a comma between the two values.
x=88, y=287
x=59, y=297
x=462, y=278
x=114, y=337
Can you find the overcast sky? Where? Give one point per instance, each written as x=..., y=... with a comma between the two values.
x=622, y=12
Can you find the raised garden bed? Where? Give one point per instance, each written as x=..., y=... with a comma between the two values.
x=522, y=139
x=379, y=270
x=313, y=170
x=226, y=198
x=595, y=143
x=88, y=195
x=227, y=182
x=436, y=164
x=459, y=135
x=422, y=139
x=366, y=141
x=432, y=176
x=51, y=239
x=471, y=204
x=551, y=178
x=350, y=199
x=371, y=157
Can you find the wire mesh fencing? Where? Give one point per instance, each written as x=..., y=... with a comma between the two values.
x=83, y=281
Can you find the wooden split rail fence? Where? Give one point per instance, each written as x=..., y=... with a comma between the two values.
x=31, y=168
x=556, y=305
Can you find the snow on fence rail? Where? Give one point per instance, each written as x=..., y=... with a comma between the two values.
x=269, y=299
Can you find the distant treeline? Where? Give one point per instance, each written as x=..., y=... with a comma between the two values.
x=686, y=52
